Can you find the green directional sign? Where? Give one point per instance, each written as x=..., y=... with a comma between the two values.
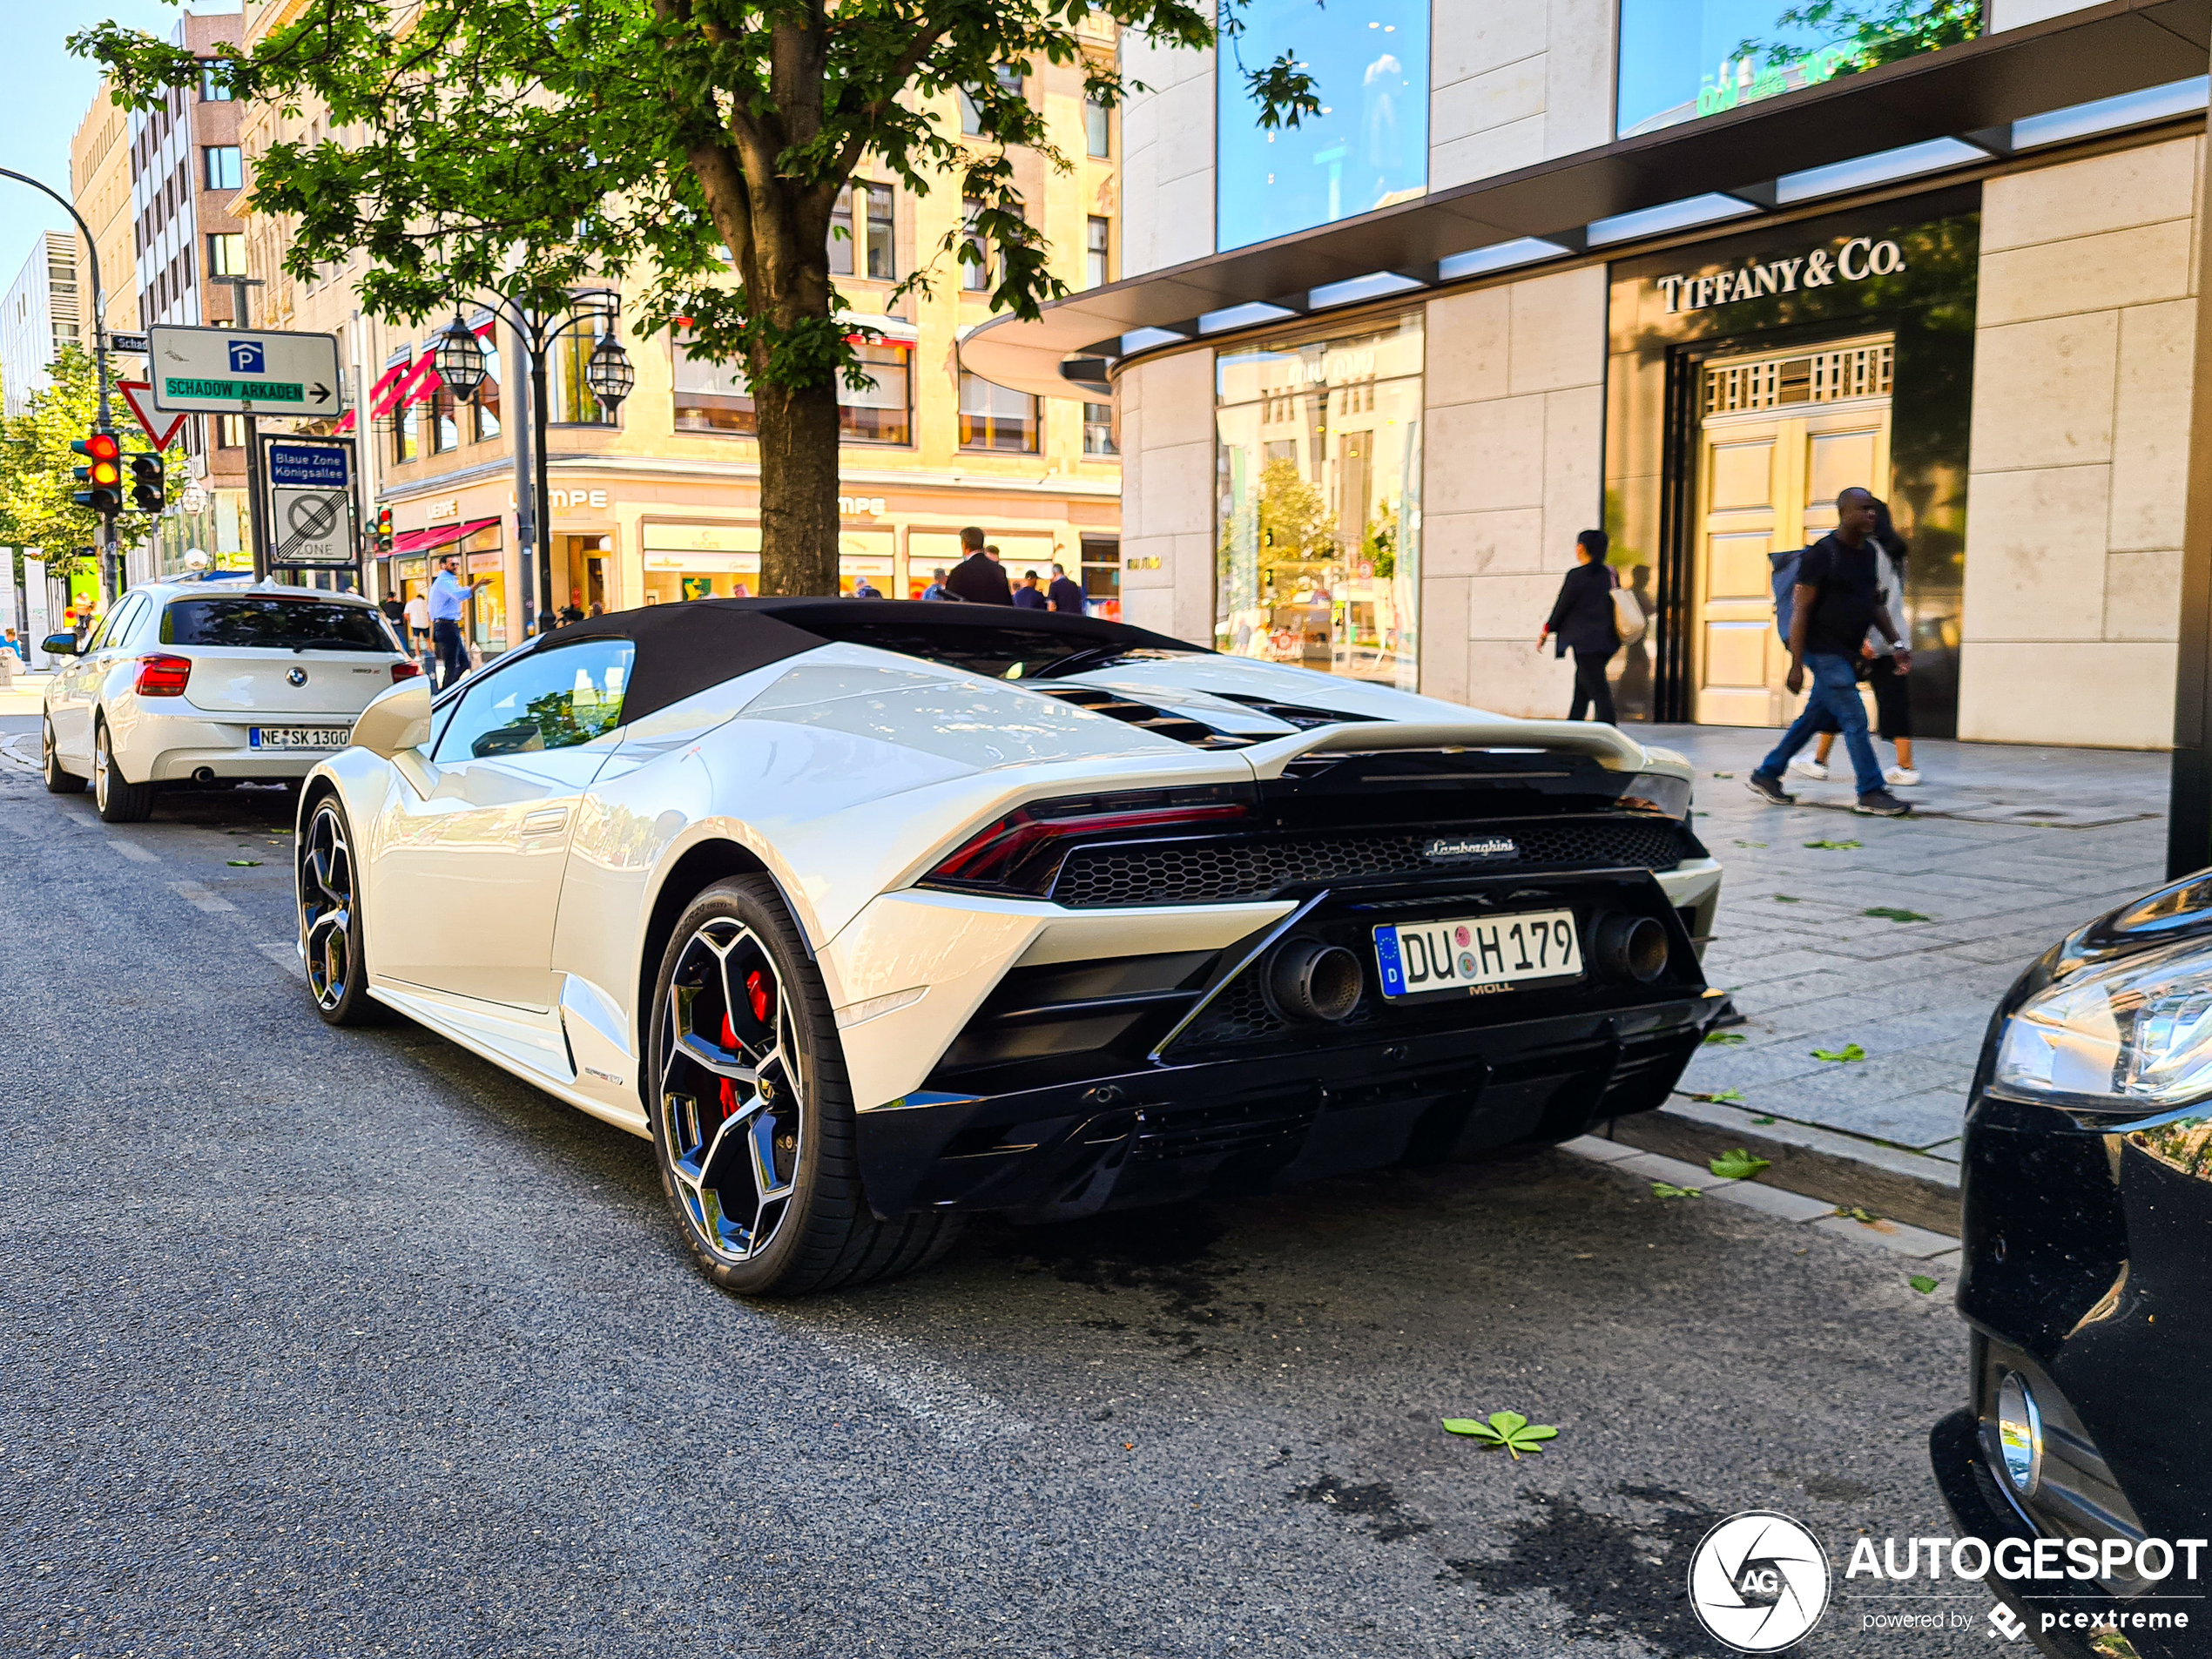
x=176, y=387
x=222, y=370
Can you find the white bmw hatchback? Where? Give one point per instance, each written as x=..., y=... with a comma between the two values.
x=196, y=682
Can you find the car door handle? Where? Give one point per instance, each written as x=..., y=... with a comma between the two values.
x=545, y=820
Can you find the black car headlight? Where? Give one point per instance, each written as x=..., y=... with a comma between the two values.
x=2134, y=1034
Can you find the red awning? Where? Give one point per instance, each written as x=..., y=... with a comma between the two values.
x=439, y=536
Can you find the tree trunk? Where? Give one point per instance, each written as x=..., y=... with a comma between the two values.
x=798, y=518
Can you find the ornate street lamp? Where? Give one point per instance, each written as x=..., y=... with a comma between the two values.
x=609, y=374
x=460, y=360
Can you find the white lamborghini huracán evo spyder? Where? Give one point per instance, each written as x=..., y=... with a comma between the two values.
x=869, y=915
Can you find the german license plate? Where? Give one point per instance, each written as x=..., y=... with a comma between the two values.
x=1476, y=954
x=298, y=737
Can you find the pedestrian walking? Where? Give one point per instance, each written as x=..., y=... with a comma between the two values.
x=11, y=663
x=1835, y=598
x=417, y=611
x=1584, y=620
x=936, y=588
x=1892, y=691
x=977, y=577
x=863, y=588
x=1064, y=595
x=1028, y=595
x=395, y=613
x=448, y=594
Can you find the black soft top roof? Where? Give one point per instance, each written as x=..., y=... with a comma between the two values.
x=684, y=648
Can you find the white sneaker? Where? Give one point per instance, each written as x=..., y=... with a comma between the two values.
x=1902, y=777
x=1806, y=766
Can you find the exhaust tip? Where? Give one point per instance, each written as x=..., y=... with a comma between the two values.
x=1632, y=947
x=1314, y=982
x=204, y=775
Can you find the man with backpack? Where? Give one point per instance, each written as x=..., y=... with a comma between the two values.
x=1835, y=596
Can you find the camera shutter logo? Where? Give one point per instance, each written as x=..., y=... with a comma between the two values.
x=1759, y=1581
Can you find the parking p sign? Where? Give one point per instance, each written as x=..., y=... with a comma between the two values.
x=310, y=500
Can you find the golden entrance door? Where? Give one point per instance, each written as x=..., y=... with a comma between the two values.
x=1783, y=435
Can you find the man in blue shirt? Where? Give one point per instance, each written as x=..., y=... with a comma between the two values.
x=448, y=592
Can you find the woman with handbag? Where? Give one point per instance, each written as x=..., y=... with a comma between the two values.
x=1592, y=615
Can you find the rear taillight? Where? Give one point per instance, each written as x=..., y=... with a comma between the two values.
x=405, y=672
x=1023, y=850
x=164, y=676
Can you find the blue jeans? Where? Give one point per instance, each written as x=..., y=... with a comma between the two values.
x=1835, y=692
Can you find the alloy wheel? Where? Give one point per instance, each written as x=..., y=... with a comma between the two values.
x=326, y=888
x=732, y=1099
x=101, y=767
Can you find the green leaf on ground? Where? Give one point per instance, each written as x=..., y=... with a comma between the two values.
x=1667, y=1189
x=244, y=864
x=1856, y=1212
x=1725, y=1039
x=1848, y=1052
x=1737, y=1165
x=1767, y=1119
x=1921, y=1283
x=1751, y=844
x=1721, y=1097
x=1834, y=847
x=1723, y=774
x=1784, y=898
x=1509, y=1429
x=1889, y=914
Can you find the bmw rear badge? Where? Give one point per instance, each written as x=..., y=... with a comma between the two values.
x=1460, y=848
x=1759, y=1581
x=296, y=675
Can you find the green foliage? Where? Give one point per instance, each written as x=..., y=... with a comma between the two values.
x=1294, y=518
x=1857, y=1212
x=1888, y=913
x=1722, y=1097
x=1785, y=898
x=1833, y=847
x=1507, y=1429
x=37, y=468
x=1922, y=1283
x=1884, y=33
x=1844, y=1055
x=1737, y=1165
x=1668, y=1189
x=1725, y=1039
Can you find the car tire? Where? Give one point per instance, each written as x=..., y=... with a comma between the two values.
x=59, y=781
x=119, y=801
x=327, y=888
x=753, y=1120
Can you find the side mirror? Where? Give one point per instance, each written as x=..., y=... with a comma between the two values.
x=396, y=720
x=63, y=644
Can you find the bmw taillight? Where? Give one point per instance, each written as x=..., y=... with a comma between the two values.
x=405, y=672
x=1023, y=850
x=164, y=676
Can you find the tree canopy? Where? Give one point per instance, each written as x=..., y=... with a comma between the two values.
x=693, y=149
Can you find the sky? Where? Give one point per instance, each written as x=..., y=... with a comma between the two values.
x=48, y=93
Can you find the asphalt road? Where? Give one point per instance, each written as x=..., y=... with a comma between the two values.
x=345, y=1342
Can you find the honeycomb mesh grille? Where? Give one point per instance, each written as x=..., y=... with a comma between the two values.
x=1200, y=871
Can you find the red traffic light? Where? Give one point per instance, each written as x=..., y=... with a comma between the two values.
x=101, y=445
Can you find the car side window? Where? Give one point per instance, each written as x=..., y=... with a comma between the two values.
x=116, y=625
x=549, y=699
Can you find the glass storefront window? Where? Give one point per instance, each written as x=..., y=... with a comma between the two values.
x=1318, y=468
x=996, y=417
x=715, y=397
x=1681, y=59
x=1367, y=149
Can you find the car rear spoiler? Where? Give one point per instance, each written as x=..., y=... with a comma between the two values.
x=1608, y=747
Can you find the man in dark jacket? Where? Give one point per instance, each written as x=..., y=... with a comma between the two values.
x=977, y=577
x=1581, y=620
x=1066, y=596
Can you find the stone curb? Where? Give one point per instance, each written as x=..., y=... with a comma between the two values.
x=1920, y=1244
x=1836, y=1169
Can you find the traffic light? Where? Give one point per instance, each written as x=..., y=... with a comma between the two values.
x=103, y=471
x=383, y=529
x=149, y=489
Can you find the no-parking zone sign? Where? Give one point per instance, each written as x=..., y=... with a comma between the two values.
x=310, y=500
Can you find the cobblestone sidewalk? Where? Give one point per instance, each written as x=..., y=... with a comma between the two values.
x=1897, y=935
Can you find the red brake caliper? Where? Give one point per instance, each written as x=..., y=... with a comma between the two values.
x=756, y=992
x=729, y=1085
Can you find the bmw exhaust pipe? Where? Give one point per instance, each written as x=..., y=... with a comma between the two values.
x=1310, y=983
x=1632, y=947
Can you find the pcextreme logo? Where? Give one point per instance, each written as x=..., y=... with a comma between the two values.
x=1759, y=1581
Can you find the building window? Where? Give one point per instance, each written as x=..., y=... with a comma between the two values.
x=877, y=263
x=1095, y=131
x=715, y=397
x=1367, y=149
x=444, y=424
x=230, y=432
x=1318, y=476
x=971, y=118
x=224, y=170
x=407, y=433
x=976, y=275
x=568, y=398
x=1098, y=429
x=1683, y=59
x=226, y=253
x=996, y=417
x=1097, y=253
x=211, y=90
x=486, y=413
